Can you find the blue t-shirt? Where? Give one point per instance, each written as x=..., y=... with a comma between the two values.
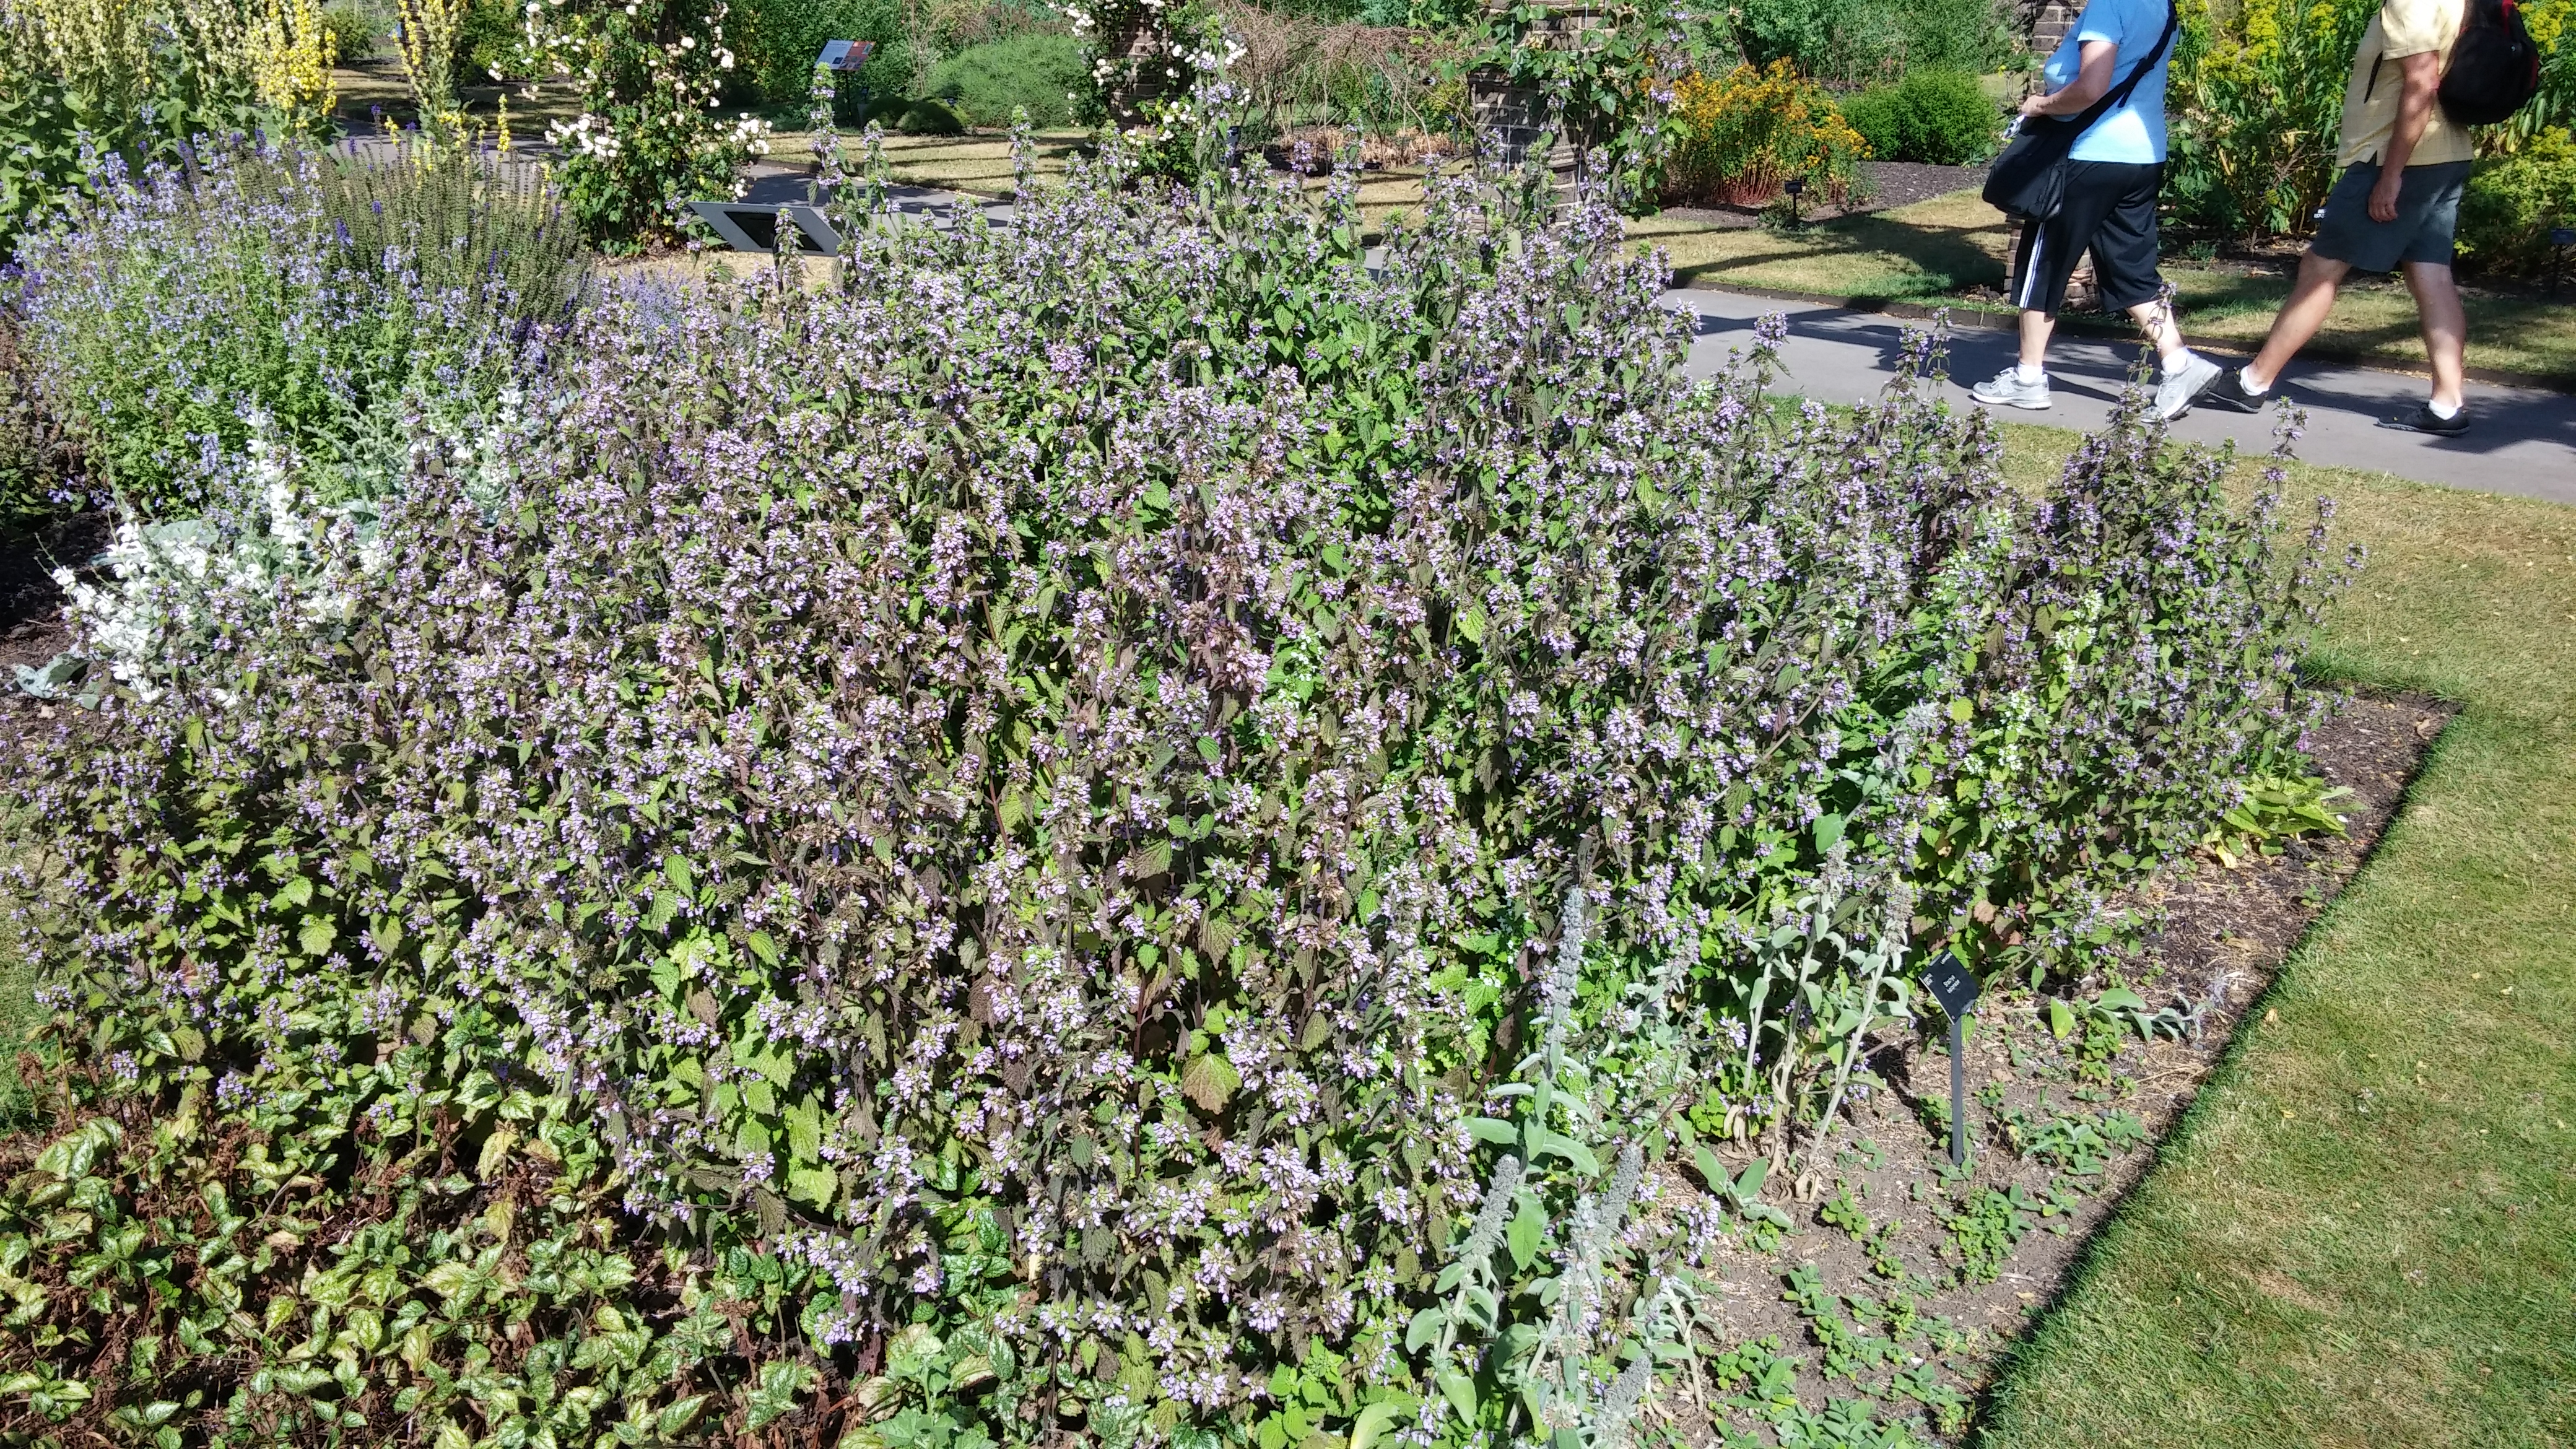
x=2135, y=132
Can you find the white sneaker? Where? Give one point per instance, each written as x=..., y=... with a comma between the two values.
x=2007, y=390
x=2181, y=388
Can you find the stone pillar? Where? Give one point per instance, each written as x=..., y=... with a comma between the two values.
x=1149, y=66
x=1511, y=118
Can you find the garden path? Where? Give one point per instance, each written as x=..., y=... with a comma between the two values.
x=2520, y=440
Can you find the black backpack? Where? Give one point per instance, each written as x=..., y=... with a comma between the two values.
x=2495, y=69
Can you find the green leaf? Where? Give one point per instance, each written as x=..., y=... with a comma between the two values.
x=1962, y=709
x=1423, y=1331
x=1528, y=1227
x=679, y=1416
x=1749, y=1186
x=2061, y=1021
x=1210, y=1081
x=1491, y=1129
x=813, y=1186
x=1471, y=623
x=1374, y=1420
x=1711, y=1171
x=1460, y=1391
x=1575, y=1153
x=775, y=1399
x=317, y=936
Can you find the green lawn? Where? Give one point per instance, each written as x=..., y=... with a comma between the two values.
x=2364, y=1231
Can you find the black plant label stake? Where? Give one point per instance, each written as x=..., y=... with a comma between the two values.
x=1955, y=987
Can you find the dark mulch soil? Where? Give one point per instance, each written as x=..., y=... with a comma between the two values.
x=1888, y=185
x=31, y=629
x=2220, y=936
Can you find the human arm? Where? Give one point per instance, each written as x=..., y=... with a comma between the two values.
x=2092, y=79
x=2422, y=73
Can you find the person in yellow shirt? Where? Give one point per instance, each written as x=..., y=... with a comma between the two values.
x=2394, y=208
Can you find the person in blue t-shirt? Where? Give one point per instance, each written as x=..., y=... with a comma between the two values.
x=2112, y=178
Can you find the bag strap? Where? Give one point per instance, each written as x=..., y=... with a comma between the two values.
x=2118, y=95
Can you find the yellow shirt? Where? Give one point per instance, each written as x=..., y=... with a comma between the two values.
x=2401, y=28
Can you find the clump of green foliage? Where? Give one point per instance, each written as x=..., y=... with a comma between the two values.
x=1942, y=117
x=779, y=39
x=1873, y=41
x=2515, y=201
x=1036, y=72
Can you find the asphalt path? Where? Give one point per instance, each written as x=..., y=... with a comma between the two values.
x=2520, y=440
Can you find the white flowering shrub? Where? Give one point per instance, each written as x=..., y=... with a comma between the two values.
x=648, y=139
x=1159, y=58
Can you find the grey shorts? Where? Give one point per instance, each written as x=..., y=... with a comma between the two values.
x=2428, y=212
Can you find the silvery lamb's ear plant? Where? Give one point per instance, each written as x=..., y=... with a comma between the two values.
x=993, y=822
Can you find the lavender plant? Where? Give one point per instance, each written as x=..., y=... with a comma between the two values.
x=327, y=298
x=1008, y=792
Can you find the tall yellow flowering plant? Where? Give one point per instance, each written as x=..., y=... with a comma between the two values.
x=90, y=83
x=1747, y=133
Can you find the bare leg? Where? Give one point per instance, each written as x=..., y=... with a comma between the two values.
x=2446, y=328
x=2156, y=319
x=2312, y=299
x=2035, y=328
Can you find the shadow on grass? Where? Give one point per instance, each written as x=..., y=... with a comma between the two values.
x=1918, y=259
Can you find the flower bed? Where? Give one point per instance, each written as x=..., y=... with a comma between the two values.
x=1024, y=840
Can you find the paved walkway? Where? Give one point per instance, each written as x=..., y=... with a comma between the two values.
x=2519, y=441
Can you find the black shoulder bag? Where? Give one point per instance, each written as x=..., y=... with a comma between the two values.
x=2029, y=178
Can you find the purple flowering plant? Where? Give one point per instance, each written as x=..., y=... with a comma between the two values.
x=178, y=311
x=1008, y=812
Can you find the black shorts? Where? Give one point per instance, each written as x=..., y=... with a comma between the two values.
x=2110, y=208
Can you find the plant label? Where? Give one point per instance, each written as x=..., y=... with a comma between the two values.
x=844, y=54
x=1951, y=984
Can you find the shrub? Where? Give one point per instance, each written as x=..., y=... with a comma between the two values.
x=646, y=142
x=313, y=297
x=491, y=42
x=1040, y=72
x=1942, y=117
x=2255, y=108
x=931, y=117
x=1873, y=40
x=355, y=28
x=2513, y=201
x=1746, y=133
x=1966, y=36
x=1003, y=813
